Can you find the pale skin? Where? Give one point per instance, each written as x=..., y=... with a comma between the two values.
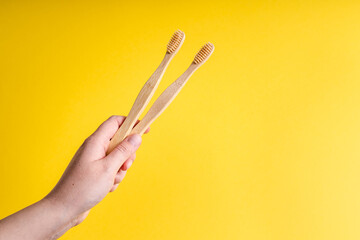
x=89, y=177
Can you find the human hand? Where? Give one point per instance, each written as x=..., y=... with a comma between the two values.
x=91, y=175
x=87, y=180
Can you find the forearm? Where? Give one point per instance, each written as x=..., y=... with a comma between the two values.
x=89, y=177
x=42, y=220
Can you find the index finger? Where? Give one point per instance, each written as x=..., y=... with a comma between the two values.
x=107, y=129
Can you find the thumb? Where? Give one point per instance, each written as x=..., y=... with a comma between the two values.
x=123, y=151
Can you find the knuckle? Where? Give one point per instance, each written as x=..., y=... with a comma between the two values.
x=115, y=117
x=118, y=179
x=89, y=140
x=123, y=148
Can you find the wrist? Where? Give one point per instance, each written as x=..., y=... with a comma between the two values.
x=45, y=219
x=61, y=211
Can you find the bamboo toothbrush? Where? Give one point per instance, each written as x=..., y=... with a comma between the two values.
x=147, y=91
x=170, y=93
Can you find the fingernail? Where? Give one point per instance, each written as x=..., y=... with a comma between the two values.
x=134, y=140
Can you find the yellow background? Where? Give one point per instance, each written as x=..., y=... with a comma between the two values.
x=262, y=143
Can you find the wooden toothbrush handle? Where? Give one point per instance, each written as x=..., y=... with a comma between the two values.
x=163, y=101
x=140, y=103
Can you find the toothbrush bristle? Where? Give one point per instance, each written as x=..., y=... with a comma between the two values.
x=175, y=41
x=204, y=53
